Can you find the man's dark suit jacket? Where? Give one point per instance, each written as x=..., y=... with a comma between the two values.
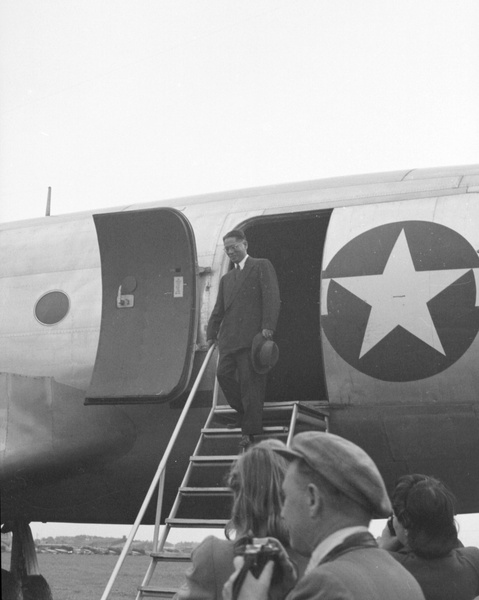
x=248, y=301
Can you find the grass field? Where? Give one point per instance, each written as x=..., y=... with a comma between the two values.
x=84, y=577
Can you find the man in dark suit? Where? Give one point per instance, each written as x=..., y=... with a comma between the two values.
x=248, y=303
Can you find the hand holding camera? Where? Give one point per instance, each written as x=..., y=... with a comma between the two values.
x=255, y=556
x=388, y=539
x=269, y=563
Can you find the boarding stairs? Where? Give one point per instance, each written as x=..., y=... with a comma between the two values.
x=203, y=501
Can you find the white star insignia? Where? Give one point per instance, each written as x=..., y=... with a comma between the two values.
x=399, y=296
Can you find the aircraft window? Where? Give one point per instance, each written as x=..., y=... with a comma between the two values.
x=52, y=308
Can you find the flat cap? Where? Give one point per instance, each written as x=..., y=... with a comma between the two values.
x=346, y=466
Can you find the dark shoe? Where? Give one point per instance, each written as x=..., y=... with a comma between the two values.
x=245, y=442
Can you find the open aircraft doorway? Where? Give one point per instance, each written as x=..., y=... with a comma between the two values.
x=294, y=245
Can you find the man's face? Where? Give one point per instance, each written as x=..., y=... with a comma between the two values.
x=295, y=511
x=235, y=249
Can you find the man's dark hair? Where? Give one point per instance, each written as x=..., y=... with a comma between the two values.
x=236, y=233
x=426, y=508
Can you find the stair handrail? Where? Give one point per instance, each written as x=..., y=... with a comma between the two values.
x=158, y=542
x=156, y=478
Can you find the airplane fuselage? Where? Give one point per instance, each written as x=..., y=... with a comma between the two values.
x=103, y=320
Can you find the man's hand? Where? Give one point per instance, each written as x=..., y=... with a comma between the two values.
x=268, y=334
x=252, y=589
x=210, y=343
x=388, y=541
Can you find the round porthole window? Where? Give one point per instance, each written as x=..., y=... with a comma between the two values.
x=52, y=308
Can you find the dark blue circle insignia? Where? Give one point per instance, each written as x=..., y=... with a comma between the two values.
x=402, y=300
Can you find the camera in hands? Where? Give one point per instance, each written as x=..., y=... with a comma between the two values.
x=256, y=552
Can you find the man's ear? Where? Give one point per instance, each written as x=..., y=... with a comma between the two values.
x=315, y=499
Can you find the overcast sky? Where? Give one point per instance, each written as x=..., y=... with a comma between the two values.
x=114, y=102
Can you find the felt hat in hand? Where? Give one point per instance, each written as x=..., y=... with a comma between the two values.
x=264, y=354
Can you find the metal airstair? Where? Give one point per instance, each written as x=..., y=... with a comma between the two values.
x=203, y=500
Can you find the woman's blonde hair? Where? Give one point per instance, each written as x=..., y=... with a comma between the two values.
x=256, y=479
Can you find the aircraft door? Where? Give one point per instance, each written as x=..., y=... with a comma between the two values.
x=148, y=324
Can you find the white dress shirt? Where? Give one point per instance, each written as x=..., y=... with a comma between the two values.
x=240, y=265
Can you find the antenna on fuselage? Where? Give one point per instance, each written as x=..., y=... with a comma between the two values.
x=49, y=202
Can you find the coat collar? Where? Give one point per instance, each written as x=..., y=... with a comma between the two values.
x=353, y=542
x=339, y=542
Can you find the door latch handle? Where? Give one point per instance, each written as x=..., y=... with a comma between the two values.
x=124, y=300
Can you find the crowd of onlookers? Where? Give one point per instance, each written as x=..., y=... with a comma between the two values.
x=312, y=505
x=299, y=529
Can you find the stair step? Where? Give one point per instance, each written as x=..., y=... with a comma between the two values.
x=225, y=409
x=321, y=410
x=215, y=523
x=237, y=430
x=272, y=406
x=312, y=420
x=227, y=458
x=156, y=592
x=282, y=411
x=213, y=491
x=170, y=556
x=224, y=441
x=312, y=412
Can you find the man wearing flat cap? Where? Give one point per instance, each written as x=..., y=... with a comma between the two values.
x=332, y=490
x=243, y=322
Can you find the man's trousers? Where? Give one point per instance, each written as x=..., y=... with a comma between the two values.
x=244, y=389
